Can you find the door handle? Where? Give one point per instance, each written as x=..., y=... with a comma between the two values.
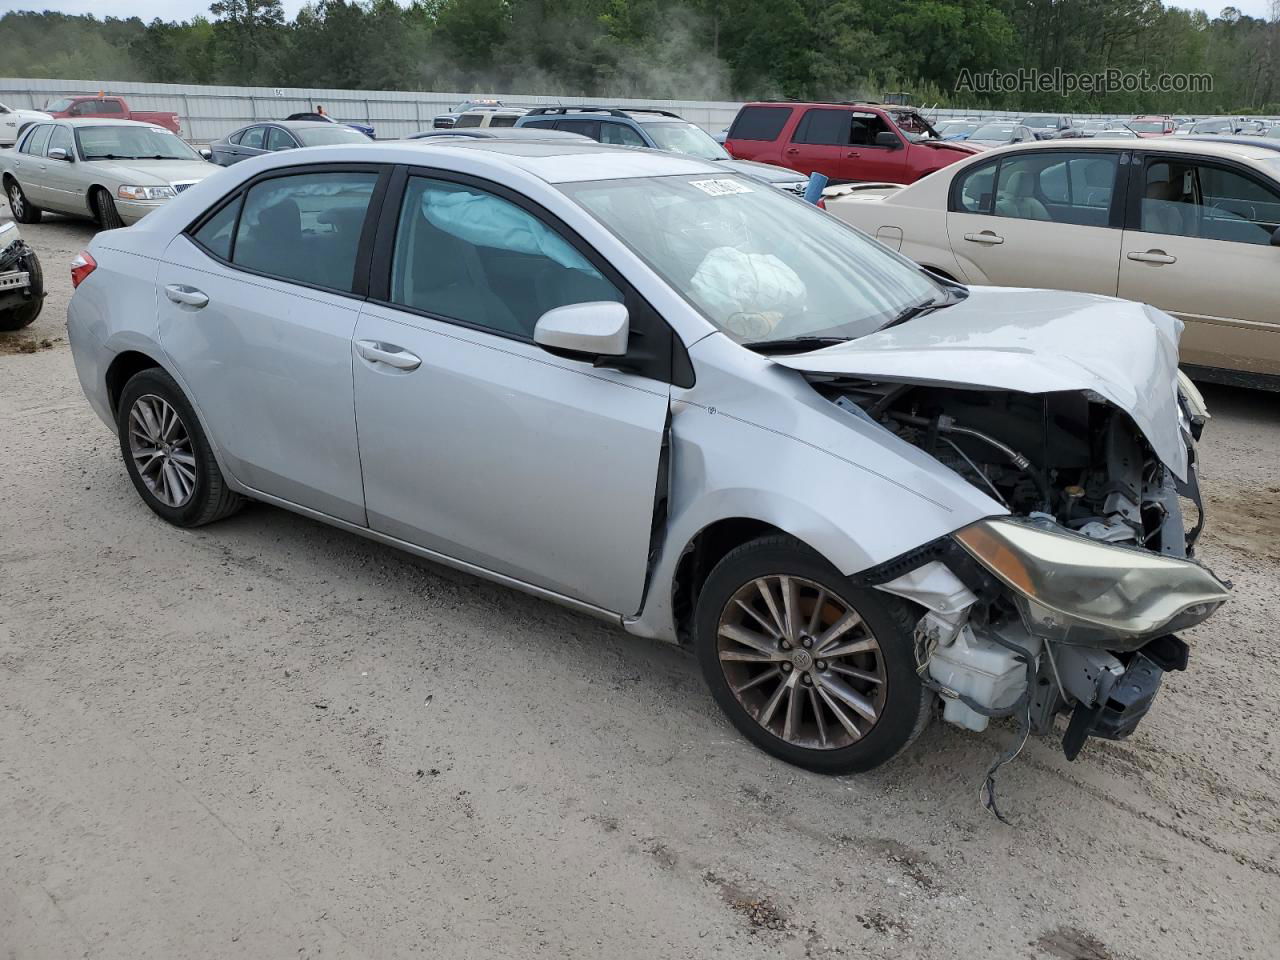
x=986, y=236
x=1152, y=256
x=853, y=153
x=190, y=296
x=388, y=353
x=792, y=150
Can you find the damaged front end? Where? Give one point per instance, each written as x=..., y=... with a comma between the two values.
x=1071, y=603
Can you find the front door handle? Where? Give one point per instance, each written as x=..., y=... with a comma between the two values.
x=791, y=151
x=986, y=236
x=376, y=352
x=1152, y=256
x=190, y=296
x=853, y=153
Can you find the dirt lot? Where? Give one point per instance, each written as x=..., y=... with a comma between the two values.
x=266, y=738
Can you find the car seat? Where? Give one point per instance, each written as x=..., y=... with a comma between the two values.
x=1019, y=200
x=1160, y=214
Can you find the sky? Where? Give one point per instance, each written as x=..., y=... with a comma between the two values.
x=185, y=9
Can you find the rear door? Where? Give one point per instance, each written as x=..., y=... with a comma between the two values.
x=475, y=442
x=279, y=139
x=30, y=165
x=257, y=307
x=252, y=143
x=1198, y=245
x=820, y=143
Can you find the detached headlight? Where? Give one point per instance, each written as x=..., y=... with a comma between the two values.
x=1078, y=591
x=145, y=193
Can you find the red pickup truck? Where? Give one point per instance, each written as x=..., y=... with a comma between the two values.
x=110, y=108
x=844, y=141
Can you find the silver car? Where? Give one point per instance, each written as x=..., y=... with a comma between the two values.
x=115, y=171
x=665, y=394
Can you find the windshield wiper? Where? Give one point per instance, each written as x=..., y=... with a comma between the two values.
x=916, y=310
x=794, y=344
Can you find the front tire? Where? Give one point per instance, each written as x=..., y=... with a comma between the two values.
x=813, y=670
x=23, y=210
x=105, y=209
x=167, y=455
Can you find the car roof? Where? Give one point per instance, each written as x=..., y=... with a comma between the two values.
x=497, y=133
x=1214, y=147
x=556, y=161
x=291, y=124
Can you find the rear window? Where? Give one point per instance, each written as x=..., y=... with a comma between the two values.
x=108, y=106
x=759, y=123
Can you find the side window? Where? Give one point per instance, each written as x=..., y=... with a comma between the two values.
x=975, y=189
x=864, y=127
x=540, y=124
x=1237, y=208
x=823, y=127
x=61, y=139
x=467, y=255
x=588, y=128
x=469, y=120
x=1057, y=187
x=38, y=140
x=619, y=133
x=215, y=235
x=277, y=139
x=106, y=106
x=305, y=227
x=81, y=109
x=503, y=120
x=759, y=123
x=253, y=137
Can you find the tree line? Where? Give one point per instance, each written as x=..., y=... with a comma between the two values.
x=684, y=49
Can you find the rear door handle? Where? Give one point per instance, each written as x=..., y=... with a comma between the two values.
x=377, y=352
x=1152, y=256
x=986, y=236
x=181, y=293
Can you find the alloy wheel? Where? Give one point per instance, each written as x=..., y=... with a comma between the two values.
x=15, y=202
x=801, y=662
x=161, y=449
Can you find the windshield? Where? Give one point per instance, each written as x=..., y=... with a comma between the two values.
x=914, y=127
x=758, y=264
x=132, y=143
x=993, y=131
x=323, y=136
x=1212, y=126
x=686, y=138
x=57, y=106
x=1147, y=126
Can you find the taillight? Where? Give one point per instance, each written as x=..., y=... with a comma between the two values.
x=822, y=203
x=81, y=267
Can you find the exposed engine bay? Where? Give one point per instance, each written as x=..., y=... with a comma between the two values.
x=1068, y=465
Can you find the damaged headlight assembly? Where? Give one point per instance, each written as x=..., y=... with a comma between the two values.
x=1080, y=592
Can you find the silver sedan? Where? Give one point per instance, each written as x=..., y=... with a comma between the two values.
x=115, y=171
x=672, y=397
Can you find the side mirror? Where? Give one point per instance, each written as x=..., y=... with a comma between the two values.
x=1275, y=237
x=206, y=153
x=887, y=138
x=584, y=330
x=58, y=153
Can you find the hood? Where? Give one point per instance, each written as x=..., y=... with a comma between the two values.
x=153, y=172
x=959, y=146
x=767, y=172
x=1033, y=341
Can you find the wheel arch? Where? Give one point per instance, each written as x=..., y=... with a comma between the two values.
x=123, y=367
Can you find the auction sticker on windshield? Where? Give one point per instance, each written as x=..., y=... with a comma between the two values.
x=720, y=188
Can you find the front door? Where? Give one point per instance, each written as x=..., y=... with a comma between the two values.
x=819, y=143
x=1040, y=219
x=1200, y=248
x=480, y=445
x=260, y=332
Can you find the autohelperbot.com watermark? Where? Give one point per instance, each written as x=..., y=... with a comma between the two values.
x=1064, y=83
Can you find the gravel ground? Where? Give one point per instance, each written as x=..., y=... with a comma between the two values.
x=268, y=738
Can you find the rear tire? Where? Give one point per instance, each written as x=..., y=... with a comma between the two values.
x=23, y=210
x=105, y=208
x=15, y=318
x=854, y=699
x=167, y=455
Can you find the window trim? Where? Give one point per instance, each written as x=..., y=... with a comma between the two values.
x=364, y=247
x=1137, y=184
x=668, y=360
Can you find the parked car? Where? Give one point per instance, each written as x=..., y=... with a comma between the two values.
x=21, y=280
x=957, y=129
x=1213, y=125
x=1047, y=126
x=497, y=133
x=1000, y=134
x=272, y=136
x=488, y=117
x=838, y=532
x=1091, y=128
x=1189, y=226
x=1146, y=127
x=449, y=119
x=844, y=142
x=115, y=171
x=658, y=130
x=110, y=108
x=364, y=128
x=13, y=121
x=1118, y=133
